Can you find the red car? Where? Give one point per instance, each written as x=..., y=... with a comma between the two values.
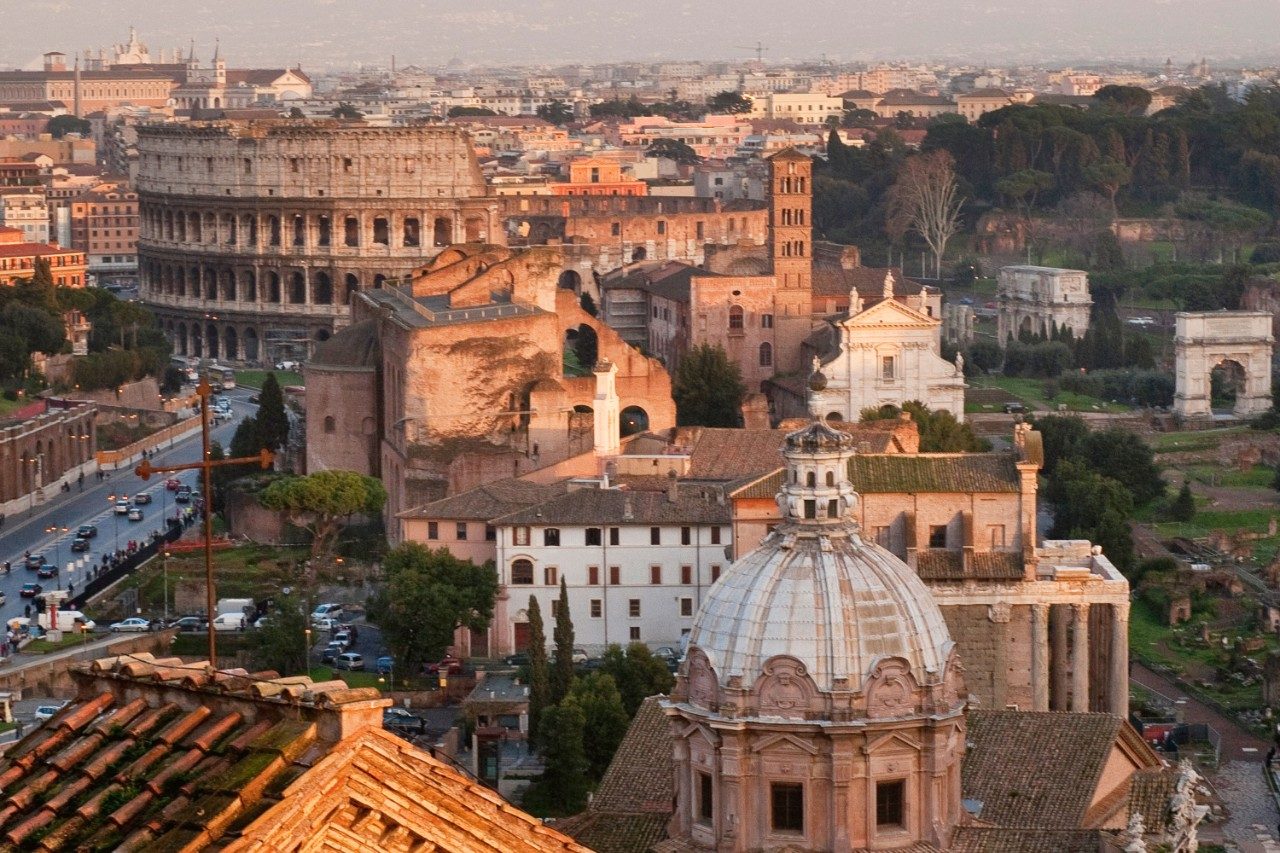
x=172, y=485
x=448, y=664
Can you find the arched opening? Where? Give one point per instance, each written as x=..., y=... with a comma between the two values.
x=324, y=230
x=323, y=335
x=273, y=230
x=299, y=230
x=273, y=287
x=231, y=344
x=570, y=280
x=522, y=571
x=351, y=231
x=378, y=281
x=766, y=355
x=352, y=285
x=1226, y=383
x=330, y=424
x=297, y=289
x=737, y=318
x=639, y=254
x=831, y=478
x=182, y=339
x=811, y=479
x=250, y=344
x=1026, y=330
x=583, y=344
x=210, y=276
x=633, y=419
x=211, y=341
x=474, y=228
x=229, y=286
x=412, y=232
x=322, y=289
x=249, y=288
x=381, y=231
x=442, y=231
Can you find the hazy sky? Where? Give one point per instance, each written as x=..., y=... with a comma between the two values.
x=339, y=33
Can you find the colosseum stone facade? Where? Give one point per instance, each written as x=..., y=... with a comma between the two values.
x=256, y=234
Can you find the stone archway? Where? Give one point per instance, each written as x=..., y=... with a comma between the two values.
x=1204, y=341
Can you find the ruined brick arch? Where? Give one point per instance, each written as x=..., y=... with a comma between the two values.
x=251, y=345
x=180, y=339
x=633, y=418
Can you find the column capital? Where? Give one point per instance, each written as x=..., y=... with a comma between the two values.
x=1081, y=608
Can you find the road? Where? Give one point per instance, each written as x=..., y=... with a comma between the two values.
x=27, y=532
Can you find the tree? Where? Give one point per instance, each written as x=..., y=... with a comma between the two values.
x=729, y=102
x=557, y=112
x=173, y=379
x=344, y=111
x=1125, y=457
x=273, y=422
x=60, y=126
x=40, y=330
x=321, y=503
x=586, y=346
x=15, y=358
x=564, y=779
x=940, y=432
x=1183, y=507
x=588, y=304
x=1109, y=175
x=926, y=199
x=673, y=149
x=562, y=674
x=279, y=645
x=637, y=673
x=1088, y=505
x=1126, y=100
x=427, y=596
x=606, y=719
x=539, y=674
x=1023, y=188
x=1061, y=437
x=708, y=388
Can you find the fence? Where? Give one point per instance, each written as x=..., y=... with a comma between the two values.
x=114, y=459
x=124, y=566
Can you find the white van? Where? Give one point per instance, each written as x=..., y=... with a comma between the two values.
x=229, y=622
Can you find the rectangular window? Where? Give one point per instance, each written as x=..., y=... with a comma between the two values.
x=521, y=535
x=882, y=536
x=662, y=227
x=715, y=573
x=886, y=367
x=706, y=805
x=686, y=607
x=997, y=535
x=635, y=633
x=715, y=535
x=937, y=536
x=433, y=530
x=490, y=533
x=889, y=804
x=596, y=608
x=787, y=801
x=615, y=229
x=614, y=535
x=593, y=575
x=810, y=509
x=655, y=575
x=699, y=230
x=686, y=535
x=593, y=536
x=633, y=608
x=549, y=576
x=551, y=537
x=655, y=535
x=615, y=575
x=462, y=531
x=686, y=575
x=766, y=321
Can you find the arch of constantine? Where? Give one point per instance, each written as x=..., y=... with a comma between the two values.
x=1206, y=340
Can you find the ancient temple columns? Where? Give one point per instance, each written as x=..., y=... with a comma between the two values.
x=1119, y=674
x=1040, y=656
x=1080, y=657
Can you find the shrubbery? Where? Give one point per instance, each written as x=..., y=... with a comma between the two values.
x=1141, y=387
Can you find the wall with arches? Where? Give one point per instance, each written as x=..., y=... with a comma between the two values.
x=39, y=451
x=1205, y=340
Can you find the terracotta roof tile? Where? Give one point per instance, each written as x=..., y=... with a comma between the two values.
x=954, y=473
x=489, y=501
x=213, y=732
x=183, y=726
x=75, y=717
x=978, y=839
x=617, y=506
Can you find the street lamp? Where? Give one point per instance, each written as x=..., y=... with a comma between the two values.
x=165, y=564
x=306, y=647
x=115, y=518
x=58, y=533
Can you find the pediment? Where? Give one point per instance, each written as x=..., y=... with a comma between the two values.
x=781, y=740
x=890, y=312
x=893, y=740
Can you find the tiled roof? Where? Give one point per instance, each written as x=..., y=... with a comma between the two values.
x=29, y=250
x=940, y=565
x=1150, y=793
x=623, y=506
x=838, y=281
x=667, y=279
x=982, y=839
x=731, y=453
x=1036, y=769
x=629, y=812
x=489, y=501
x=895, y=473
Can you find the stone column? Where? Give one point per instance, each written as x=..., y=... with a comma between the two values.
x=1058, y=658
x=1039, y=657
x=1120, y=659
x=1080, y=657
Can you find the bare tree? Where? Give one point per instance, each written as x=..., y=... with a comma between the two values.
x=926, y=199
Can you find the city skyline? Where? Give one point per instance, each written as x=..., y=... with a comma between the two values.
x=325, y=34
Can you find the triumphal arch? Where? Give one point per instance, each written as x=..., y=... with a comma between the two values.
x=1237, y=340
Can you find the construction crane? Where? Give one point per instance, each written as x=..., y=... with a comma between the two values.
x=759, y=49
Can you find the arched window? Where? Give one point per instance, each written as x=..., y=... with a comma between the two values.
x=831, y=478
x=735, y=317
x=766, y=355
x=811, y=479
x=522, y=571
x=330, y=425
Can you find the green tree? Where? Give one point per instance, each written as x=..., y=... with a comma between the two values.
x=940, y=432
x=557, y=112
x=427, y=596
x=40, y=330
x=539, y=672
x=1126, y=100
x=272, y=421
x=637, y=673
x=673, y=149
x=708, y=388
x=15, y=358
x=606, y=719
x=564, y=778
x=60, y=126
x=1088, y=505
x=323, y=502
x=562, y=673
x=345, y=111
x=1183, y=507
x=173, y=379
x=586, y=346
x=1062, y=436
x=588, y=304
x=279, y=645
x=1109, y=176
x=729, y=102
x=1125, y=457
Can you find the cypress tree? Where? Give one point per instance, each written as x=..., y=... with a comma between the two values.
x=273, y=423
x=564, y=777
x=1183, y=507
x=539, y=686
x=562, y=673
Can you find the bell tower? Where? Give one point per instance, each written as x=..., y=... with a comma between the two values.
x=791, y=250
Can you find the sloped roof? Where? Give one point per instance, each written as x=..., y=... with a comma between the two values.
x=903, y=97
x=668, y=279
x=838, y=281
x=353, y=348
x=623, y=506
x=904, y=473
x=990, y=839
x=489, y=501
x=732, y=454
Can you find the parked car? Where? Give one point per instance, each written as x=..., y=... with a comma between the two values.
x=229, y=622
x=322, y=623
x=349, y=661
x=1014, y=408
x=190, y=623
x=134, y=514
x=46, y=571
x=122, y=506
x=47, y=712
x=173, y=484
x=331, y=652
x=35, y=561
x=385, y=665
x=579, y=656
x=31, y=590
x=399, y=718
x=87, y=531
x=141, y=499
x=517, y=659
x=287, y=365
x=133, y=623
x=448, y=665
x=79, y=544
x=333, y=611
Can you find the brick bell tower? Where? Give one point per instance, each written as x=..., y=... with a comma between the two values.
x=791, y=251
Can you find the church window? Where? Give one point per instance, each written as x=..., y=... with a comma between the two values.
x=592, y=536
x=889, y=804
x=522, y=572
x=800, y=185
x=330, y=425
x=937, y=536
x=887, y=367
x=551, y=537
x=735, y=317
x=766, y=355
x=787, y=801
x=799, y=248
x=766, y=321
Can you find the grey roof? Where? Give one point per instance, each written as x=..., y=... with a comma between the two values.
x=489, y=501
x=354, y=348
x=623, y=506
x=426, y=311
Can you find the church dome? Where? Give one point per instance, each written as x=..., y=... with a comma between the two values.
x=843, y=613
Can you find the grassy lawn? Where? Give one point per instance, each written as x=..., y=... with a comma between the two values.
x=1257, y=477
x=7, y=406
x=69, y=640
x=1192, y=442
x=1209, y=520
x=255, y=378
x=1031, y=392
x=353, y=679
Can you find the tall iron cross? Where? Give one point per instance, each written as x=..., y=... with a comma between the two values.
x=146, y=469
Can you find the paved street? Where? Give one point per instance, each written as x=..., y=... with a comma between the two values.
x=26, y=531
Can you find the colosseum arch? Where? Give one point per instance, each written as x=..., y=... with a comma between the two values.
x=1204, y=341
x=250, y=344
x=180, y=339
x=442, y=231
x=249, y=287
x=211, y=341
x=352, y=285
x=322, y=289
x=297, y=288
x=273, y=287
x=230, y=344
x=197, y=341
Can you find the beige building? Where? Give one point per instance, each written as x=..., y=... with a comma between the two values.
x=1034, y=300
x=800, y=107
x=974, y=105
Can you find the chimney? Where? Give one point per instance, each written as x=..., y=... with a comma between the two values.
x=673, y=486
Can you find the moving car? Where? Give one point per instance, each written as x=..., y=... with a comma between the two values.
x=47, y=712
x=343, y=636
x=229, y=622
x=88, y=531
x=349, y=661
x=35, y=561
x=122, y=506
x=173, y=484
x=331, y=652
x=517, y=659
x=190, y=623
x=141, y=499
x=79, y=544
x=31, y=590
x=333, y=611
x=47, y=571
x=134, y=514
x=322, y=623
x=449, y=665
x=183, y=495
x=133, y=623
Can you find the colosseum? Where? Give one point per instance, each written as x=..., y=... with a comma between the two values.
x=256, y=234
